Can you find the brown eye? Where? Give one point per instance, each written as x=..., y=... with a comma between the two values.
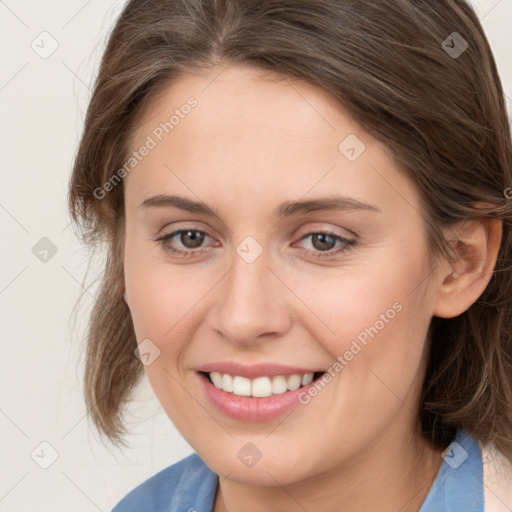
x=323, y=241
x=324, y=244
x=190, y=239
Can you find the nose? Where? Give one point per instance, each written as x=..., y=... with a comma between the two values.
x=251, y=303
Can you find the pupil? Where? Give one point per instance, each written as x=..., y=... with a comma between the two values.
x=196, y=240
x=322, y=237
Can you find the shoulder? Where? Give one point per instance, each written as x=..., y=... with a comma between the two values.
x=497, y=479
x=187, y=484
x=458, y=484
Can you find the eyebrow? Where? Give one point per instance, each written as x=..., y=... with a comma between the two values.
x=286, y=209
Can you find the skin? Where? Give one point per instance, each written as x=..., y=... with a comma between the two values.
x=252, y=143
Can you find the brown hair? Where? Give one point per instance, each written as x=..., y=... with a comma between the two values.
x=390, y=65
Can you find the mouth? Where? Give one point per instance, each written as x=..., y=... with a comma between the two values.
x=260, y=387
x=259, y=399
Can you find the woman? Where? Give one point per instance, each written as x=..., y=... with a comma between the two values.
x=309, y=246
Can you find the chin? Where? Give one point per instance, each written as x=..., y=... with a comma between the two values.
x=242, y=465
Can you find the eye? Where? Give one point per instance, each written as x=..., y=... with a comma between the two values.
x=190, y=238
x=324, y=244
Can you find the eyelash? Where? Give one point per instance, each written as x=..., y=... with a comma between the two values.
x=346, y=244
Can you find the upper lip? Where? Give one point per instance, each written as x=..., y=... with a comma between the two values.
x=253, y=371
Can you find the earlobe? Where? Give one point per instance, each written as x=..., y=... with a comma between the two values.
x=125, y=298
x=476, y=251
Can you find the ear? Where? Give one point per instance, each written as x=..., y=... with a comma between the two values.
x=476, y=246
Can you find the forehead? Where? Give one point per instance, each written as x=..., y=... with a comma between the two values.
x=247, y=104
x=249, y=134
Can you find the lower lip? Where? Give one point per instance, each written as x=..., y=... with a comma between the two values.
x=253, y=409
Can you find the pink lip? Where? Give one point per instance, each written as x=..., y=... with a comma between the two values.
x=255, y=370
x=252, y=409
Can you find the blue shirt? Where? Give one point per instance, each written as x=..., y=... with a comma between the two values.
x=190, y=485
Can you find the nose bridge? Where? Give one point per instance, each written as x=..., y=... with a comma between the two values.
x=250, y=304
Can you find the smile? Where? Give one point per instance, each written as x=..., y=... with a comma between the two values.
x=258, y=399
x=262, y=386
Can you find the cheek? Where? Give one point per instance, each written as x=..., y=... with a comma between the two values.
x=373, y=323
x=385, y=298
x=162, y=299
x=160, y=294
x=380, y=323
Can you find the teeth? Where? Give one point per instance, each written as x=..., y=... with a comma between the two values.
x=227, y=383
x=242, y=386
x=307, y=379
x=216, y=379
x=279, y=385
x=293, y=382
x=261, y=386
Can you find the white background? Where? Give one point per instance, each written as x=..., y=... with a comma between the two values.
x=42, y=106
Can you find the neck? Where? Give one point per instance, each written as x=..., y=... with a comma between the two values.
x=395, y=472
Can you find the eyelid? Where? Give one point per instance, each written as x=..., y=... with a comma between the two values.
x=319, y=227
x=325, y=232
x=181, y=226
x=348, y=235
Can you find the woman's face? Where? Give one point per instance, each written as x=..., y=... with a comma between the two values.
x=338, y=283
